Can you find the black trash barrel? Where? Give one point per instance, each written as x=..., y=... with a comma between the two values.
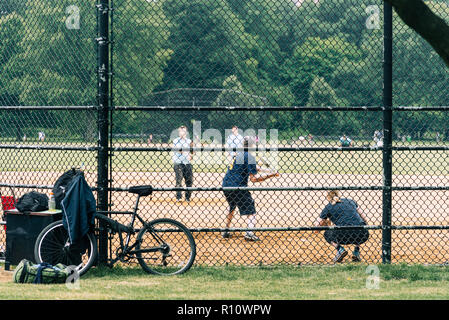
x=22, y=231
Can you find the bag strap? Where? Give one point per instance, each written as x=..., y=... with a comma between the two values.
x=43, y=266
x=38, y=278
x=24, y=272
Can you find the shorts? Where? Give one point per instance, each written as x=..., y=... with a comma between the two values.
x=356, y=237
x=241, y=199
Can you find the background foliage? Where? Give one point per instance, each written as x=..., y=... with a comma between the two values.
x=232, y=52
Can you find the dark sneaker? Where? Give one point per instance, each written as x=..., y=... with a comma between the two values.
x=226, y=235
x=356, y=256
x=251, y=237
x=341, y=254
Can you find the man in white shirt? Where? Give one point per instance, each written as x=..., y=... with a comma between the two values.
x=181, y=160
x=234, y=140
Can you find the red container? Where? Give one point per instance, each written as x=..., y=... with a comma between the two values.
x=8, y=203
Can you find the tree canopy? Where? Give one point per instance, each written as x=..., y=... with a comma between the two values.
x=278, y=52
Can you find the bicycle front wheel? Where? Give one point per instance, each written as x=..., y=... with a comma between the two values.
x=165, y=247
x=53, y=247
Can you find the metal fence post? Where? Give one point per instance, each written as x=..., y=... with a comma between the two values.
x=103, y=120
x=388, y=134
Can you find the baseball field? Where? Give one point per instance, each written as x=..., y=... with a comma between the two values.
x=275, y=208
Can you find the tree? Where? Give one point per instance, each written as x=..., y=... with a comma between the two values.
x=269, y=21
x=11, y=31
x=140, y=55
x=418, y=16
x=233, y=94
x=208, y=43
x=54, y=65
x=321, y=123
x=10, y=6
x=432, y=28
x=316, y=57
x=55, y=59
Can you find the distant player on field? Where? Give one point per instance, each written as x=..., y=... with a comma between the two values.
x=234, y=141
x=181, y=162
x=378, y=138
x=345, y=142
x=242, y=168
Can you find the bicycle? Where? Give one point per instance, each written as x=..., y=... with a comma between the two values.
x=162, y=246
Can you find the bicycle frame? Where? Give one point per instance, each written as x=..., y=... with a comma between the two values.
x=126, y=251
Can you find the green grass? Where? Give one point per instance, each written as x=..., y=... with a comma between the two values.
x=235, y=282
x=320, y=162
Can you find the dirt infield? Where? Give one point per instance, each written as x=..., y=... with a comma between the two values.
x=290, y=247
x=287, y=209
x=5, y=276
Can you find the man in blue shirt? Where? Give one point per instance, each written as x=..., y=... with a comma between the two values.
x=343, y=212
x=181, y=160
x=242, y=168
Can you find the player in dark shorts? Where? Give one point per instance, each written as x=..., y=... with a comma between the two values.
x=343, y=212
x=242, y=168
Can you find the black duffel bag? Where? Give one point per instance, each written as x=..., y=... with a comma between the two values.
x=32, y=202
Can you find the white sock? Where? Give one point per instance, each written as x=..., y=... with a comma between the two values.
x=251, y=223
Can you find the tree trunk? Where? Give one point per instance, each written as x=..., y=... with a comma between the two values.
x=418, y=16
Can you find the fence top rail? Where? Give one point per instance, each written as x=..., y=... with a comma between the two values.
x=277, y=108
x=233, y=108
x=70, y=108
x=48, y=147
x=216, y=189
x=277, y=149
x=246, y=108
x=421, y=108
x=308, y=188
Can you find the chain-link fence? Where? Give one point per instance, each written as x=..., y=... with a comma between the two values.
x=307, y=80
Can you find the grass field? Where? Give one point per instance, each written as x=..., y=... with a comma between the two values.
x=360, y=162
x=343, y=282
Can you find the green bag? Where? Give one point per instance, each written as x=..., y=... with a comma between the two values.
x=28, y=272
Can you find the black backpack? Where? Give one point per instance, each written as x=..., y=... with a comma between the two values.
x=32, y=201
x=61, y=185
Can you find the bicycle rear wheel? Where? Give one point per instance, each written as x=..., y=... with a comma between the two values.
x=165, y=247
x=53, y=247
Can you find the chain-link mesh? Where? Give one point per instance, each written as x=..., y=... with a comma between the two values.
x=47, y=58
x=303, y=78
x=420, y=79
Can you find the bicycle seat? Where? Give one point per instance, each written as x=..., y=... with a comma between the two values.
x=141, y=190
